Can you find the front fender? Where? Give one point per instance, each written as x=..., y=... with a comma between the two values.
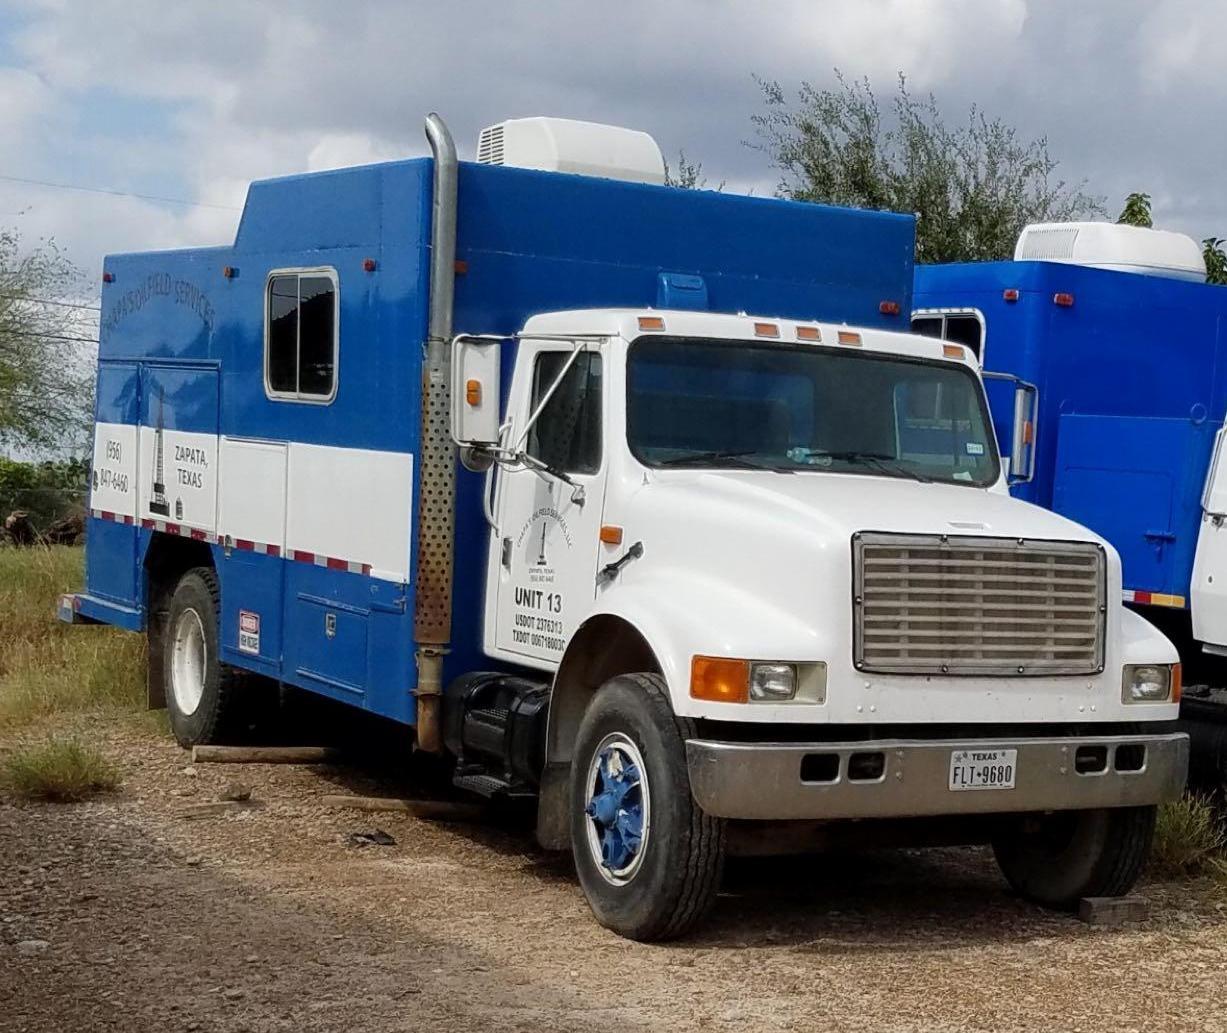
x=681, y=614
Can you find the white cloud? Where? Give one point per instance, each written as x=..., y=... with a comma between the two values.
x=247, y=90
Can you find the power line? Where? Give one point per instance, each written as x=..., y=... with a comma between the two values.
x=49, y=337
x=118, y=193
x=51, y=301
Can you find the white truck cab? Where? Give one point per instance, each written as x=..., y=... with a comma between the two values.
x=793, y=544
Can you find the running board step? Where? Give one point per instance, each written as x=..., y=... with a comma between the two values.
x=483, y=785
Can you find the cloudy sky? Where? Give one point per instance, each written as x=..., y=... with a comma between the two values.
x=190, y=100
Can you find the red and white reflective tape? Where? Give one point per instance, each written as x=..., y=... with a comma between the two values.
x=242, y=544
x=1152, y=598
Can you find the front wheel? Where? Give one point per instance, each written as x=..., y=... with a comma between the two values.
x=648, y=857
x=1057, y=859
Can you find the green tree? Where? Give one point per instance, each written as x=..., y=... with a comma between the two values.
x=1136, y=212
x=973, y=186
x=1216, y=259
x=689, y=174
x=46, y=352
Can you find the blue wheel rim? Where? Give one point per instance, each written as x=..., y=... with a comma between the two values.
x=617, y=807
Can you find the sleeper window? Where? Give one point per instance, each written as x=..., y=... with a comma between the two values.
x=567, y=434
x=301, y=340
x=965, y=326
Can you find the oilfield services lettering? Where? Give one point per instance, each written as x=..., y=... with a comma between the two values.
x=181, y=292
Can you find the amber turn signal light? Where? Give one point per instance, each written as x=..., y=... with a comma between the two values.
x=472, y=392
x=719, y=680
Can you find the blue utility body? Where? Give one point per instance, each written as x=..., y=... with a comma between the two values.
x=1132, y=379
x=182, y=344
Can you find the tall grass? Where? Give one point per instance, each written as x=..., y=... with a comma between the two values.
x=58, y=771
x=47, y=667
x=1190, y=838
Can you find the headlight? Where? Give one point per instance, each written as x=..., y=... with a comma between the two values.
x=1150, y=683
x=726, y=680
x=773, y=681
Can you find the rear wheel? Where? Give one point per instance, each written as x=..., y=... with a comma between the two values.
x=1057, y=859
x=649, y=859
x=200, y=696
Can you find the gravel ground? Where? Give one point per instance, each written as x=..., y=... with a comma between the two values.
x=121, y=914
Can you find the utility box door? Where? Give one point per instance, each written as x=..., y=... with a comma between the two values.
x=1120, y=476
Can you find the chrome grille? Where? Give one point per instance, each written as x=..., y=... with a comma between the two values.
x=926, y=604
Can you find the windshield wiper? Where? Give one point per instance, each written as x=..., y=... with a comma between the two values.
x=717, y=457
x=887, y=464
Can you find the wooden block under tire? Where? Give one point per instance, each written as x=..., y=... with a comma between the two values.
x=1112, y=911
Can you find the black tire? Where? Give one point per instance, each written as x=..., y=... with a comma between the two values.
x=1057, y=859
x=677, y=877
x=214, y=713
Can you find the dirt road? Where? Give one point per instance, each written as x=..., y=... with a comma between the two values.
x=123, y=915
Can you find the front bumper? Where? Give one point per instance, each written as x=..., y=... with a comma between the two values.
x=764, y=780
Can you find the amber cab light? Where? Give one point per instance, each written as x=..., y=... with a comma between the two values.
x=719, y=680
x=848, y=337
x=1176, y=676
x=611, y=534
x=766, y=330
x=651, y=323
x=953, y=351
x=809, y=333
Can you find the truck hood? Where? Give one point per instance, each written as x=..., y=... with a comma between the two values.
x=834, y=505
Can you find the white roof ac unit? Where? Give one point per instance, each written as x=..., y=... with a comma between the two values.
x=564, y=145
x=1107, y=245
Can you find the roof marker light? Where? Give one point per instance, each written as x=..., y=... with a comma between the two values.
x=1063, y=299
x=369, y=264
x=230, y=271
x=953, y=351
x=848, y=337
x=461, y=267
x=888, y=308
x=1010, y=294
x=809, y=333
x=108, y=277
x=651, y=323
x=766, y=330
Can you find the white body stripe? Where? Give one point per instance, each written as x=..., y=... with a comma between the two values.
x=341, y=508
x=113, y=477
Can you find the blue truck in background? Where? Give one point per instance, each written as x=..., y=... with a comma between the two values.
x=1126, y=346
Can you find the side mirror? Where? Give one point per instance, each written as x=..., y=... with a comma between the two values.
x=1015, y=408
x=475, y=391
x=1022, y=448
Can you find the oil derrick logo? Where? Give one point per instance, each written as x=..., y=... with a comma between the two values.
x=159, y=504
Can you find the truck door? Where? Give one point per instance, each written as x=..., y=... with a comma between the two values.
x=1208, y=590
x=546, y=545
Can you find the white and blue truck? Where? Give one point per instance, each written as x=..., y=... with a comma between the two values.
x=638, y=501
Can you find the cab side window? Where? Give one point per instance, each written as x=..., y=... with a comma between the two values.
x=567, y=434
x=300, y=340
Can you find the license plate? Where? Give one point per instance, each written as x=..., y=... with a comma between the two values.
x=982, y=769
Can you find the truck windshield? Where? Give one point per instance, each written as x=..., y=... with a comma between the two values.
x=697, y=402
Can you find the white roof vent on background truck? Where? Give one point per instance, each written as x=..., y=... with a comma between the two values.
x=565, y=145
x=1108, y=245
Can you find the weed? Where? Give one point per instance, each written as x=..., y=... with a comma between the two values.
x=58, y=770
x=1190, y=838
